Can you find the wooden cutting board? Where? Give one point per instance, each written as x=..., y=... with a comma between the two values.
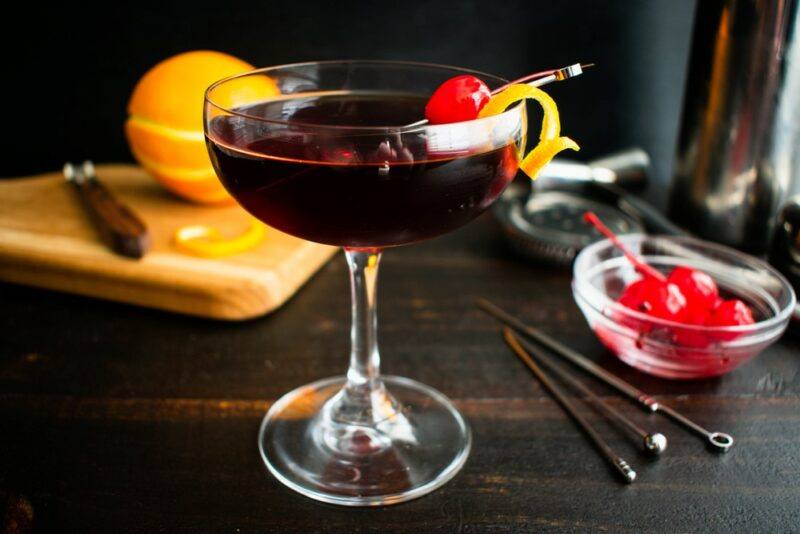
x=47, y=240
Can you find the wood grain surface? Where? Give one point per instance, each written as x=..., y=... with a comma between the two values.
x=47, y=240
x=121, y=419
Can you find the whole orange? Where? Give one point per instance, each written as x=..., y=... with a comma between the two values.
x=165, y=121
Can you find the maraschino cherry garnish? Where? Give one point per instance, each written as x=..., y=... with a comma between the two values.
x=458, y=99
x=466, y=98
x=463, y=97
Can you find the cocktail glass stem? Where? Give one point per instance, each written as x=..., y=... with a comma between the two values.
x=354, y=419
x=364, y=372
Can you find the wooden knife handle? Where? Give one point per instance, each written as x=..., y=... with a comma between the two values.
x=120, y=227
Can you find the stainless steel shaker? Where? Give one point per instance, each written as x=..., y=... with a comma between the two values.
x=784, y=253
x=738, y=156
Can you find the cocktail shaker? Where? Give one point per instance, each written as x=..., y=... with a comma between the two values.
x=784, y=253
x=737, y=159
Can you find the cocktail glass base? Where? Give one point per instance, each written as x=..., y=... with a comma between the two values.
x=415, y=442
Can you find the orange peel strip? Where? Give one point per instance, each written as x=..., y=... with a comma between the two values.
x=208, y=242
x=543, y=153
x=550, y=142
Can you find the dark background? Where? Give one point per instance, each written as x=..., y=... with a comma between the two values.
x=75, y=67
x=120, y=419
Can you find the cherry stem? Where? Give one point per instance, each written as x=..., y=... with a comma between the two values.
x=638, y=263
x=525, y=79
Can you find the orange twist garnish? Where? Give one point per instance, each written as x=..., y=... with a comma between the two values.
x=550, y=141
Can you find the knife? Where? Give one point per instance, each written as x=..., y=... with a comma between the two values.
x=119, y=227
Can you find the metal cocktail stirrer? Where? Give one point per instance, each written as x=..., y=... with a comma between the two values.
x=720, y=441
x=622, y=467
x=652, y=442
x=547, y=76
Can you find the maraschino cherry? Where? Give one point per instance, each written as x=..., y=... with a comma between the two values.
x=731, y=312
x=655, y=298
x=702, y=296
x=687, y=296
x=698, y=287
x=458, y=99
x=462, y=97
x=653, y=294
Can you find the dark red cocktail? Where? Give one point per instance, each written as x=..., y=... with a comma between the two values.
x=350, y=190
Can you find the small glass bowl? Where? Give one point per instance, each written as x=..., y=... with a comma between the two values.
x=676, y=350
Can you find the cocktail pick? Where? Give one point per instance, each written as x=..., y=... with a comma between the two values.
x=620, y=465
x=537, y=79
x=652, y=442
x=719, y=441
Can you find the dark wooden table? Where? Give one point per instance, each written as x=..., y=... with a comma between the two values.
x=114, y=418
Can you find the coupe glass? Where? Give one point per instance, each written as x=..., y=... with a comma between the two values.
x=328, y=152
